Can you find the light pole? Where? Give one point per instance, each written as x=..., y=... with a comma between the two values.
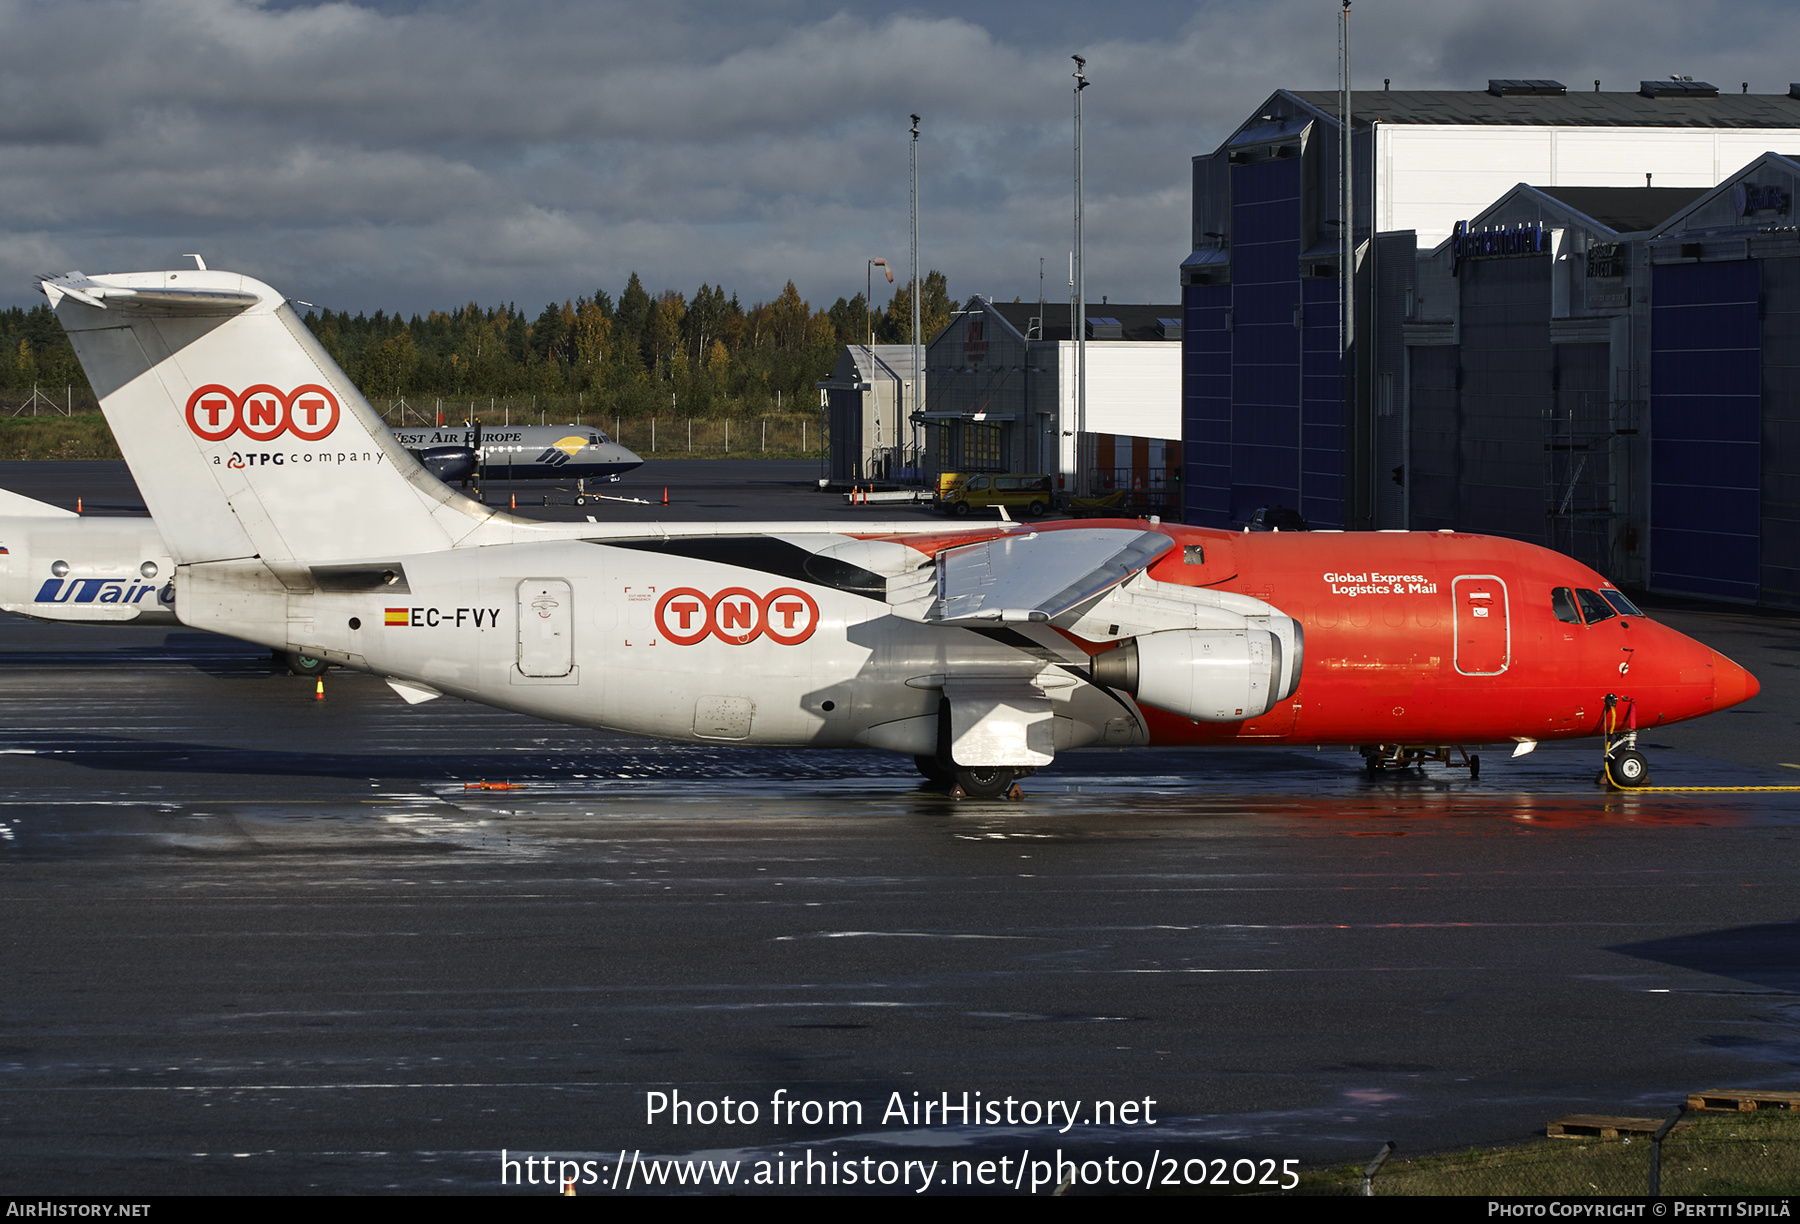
x=917, y=292
x=869, y=303
x=869, y=292
x=1080, y=321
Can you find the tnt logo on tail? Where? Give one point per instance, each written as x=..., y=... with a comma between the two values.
x=262, y=413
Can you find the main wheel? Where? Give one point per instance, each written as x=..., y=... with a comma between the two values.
x=984, y=781
x=934, y=770
x=302, y=664
x=1035, y=510
x=1474, y=766
x=1628, y=768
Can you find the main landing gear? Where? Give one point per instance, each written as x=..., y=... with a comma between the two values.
x=974, y=781
x=1378, y=758
x=1622, y=766
x=299, y=663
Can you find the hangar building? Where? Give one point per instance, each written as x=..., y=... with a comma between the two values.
x=1615, y=372
x=1271, y=413
x=1000, y=396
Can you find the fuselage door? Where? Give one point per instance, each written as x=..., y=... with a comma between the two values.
x=1483, y=627
x=546, y=614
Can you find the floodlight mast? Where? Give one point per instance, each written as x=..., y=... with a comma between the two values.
x=1079, y=323
x=918, y=290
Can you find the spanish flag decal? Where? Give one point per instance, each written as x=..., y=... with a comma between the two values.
x=399, y=616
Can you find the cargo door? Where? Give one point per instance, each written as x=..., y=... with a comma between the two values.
x=546, y=613
x=1483, y=626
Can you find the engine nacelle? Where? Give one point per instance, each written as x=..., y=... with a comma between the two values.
x=1209, y=675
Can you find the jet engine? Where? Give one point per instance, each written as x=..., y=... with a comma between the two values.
x=1208, y=675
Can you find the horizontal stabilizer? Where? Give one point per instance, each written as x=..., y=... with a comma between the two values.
x=17, y=505
x=173, y=298
x=1040, y=576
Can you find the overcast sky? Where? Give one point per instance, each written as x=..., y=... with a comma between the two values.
x=410, y=156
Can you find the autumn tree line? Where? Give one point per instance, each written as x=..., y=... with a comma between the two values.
x=643, y=355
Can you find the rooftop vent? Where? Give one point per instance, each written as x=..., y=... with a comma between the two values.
x=1101, y=328
x=1171, y=328
x=1527, y=89
x=1677, y=89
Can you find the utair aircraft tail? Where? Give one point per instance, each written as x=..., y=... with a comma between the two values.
x=295, y=520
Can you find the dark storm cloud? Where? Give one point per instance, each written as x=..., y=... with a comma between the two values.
x=421, y=155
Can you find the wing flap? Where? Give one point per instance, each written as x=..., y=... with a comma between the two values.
x=1000, y=721
x=1039, y=576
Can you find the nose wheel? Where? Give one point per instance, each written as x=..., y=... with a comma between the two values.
x=1624, y=766
x=1628, y=768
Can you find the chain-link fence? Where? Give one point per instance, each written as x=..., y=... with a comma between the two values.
x=793, y=435
x=1703, y=1154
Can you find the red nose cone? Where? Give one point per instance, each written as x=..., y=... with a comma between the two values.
x=1731, y=683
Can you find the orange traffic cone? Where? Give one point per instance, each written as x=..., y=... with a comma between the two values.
x=319, y=690
x=515, y=501
x=665, y=495
x=77, y=505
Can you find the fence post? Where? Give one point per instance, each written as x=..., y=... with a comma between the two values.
x=690, y=435
x=652, y=435
x=1656, y=1142
x=1387, y=1149
x=727, y=435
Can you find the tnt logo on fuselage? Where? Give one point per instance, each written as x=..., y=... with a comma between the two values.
x=736, y=616
x=262, y=413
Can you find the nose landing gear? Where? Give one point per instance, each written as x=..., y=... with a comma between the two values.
x=1622, y=765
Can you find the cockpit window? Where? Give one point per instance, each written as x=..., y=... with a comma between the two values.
x=596, y=439
x=1618, y=600
x=1562, y=602
x=1593, y=607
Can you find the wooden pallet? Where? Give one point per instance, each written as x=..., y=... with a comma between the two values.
x=1602, y=1126
x=1741, y=1100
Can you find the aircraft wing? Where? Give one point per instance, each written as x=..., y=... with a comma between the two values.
x=1037, y=577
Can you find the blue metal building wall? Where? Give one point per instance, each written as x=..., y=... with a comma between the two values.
x=1705, y=428
x=1265, y=357
x=1781, y=431
x=1206, y=406
x=1323, y=440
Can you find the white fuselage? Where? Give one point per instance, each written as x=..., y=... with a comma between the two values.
x=100, y=571
x=621, y=637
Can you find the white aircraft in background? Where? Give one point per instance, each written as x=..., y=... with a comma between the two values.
x=56, y=565
x=296, y=520
x=519, y=452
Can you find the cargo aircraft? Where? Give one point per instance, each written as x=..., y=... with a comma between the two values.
x=519, y=452
x=293, y=518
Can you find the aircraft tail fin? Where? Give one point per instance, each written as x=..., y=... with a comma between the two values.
x=245, y=437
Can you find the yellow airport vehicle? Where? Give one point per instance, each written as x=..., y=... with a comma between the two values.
x=1030, y=493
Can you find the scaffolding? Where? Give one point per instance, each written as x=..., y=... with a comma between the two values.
x=1586, y=473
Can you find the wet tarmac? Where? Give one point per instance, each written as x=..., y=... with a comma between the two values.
x=255, y=942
